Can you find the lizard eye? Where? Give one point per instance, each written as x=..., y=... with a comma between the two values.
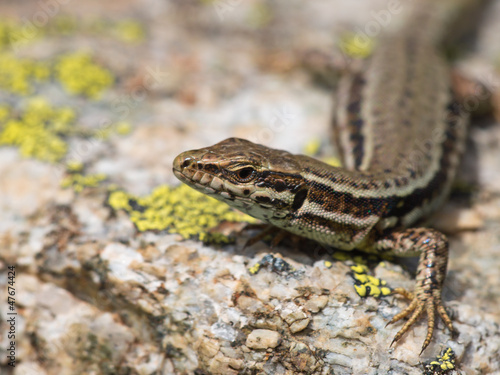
x=245, y=174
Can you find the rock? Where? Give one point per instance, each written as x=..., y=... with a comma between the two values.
x=316, y=304
x=454, y=219
x=263, y=339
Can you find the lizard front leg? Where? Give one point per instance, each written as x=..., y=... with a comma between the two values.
x=433, y=248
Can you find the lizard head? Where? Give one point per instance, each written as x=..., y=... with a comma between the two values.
x=260, y=181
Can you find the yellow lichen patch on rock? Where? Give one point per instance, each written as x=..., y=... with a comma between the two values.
x=367, y=285
x=17, y=75
x=443, y=363
x=179, y=210
x=312, y=148
x=77, y=180
x=14, y=33
x=120, y=128
x=129, y=31
x=357, y=45
x=6, y=28
x=80, y=75
x=39, y=131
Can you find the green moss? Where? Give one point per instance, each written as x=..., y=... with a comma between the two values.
x=39, y=131
x=79, y=75
x=179, y=210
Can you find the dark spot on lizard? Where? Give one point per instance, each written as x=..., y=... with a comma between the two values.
x=262, y=199
x=299, y=199
x=279, y=186
x=210, y=168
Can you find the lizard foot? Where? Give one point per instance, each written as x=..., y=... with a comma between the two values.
x=431, y=272
x=424, y=302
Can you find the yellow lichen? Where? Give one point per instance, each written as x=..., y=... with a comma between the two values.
x=5, y=33
x=39, y=131
x=17, y=75
x=357, y=45
x=342, y=256
x=311, y=148
x=120, y=128
x=260, y=15
x=14, y=33
x=359, y=268
x=40, y=71
x=64, y=24
x=442, y=364
x=119, y=200
x=79, y=75
x=333, y=161
x=78, y=181
x=179, y=210
x=73, y=166
x=366, y=285
x=4, y=113
x=129, y=31
x=254, y=269
x=123, y=128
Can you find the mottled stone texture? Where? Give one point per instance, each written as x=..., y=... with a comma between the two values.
x=93, y=296
x=154, y=304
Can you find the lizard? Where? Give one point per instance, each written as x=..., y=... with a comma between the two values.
x=400, y=133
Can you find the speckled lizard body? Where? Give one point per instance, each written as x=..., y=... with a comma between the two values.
x=400, y=134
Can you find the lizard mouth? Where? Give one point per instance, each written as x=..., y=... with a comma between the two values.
x=206, y=178
x=189, y=170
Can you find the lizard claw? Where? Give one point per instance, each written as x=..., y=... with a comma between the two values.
x=428, y=303
x=431, y=272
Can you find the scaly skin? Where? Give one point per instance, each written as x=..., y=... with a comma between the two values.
x=400, y=134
